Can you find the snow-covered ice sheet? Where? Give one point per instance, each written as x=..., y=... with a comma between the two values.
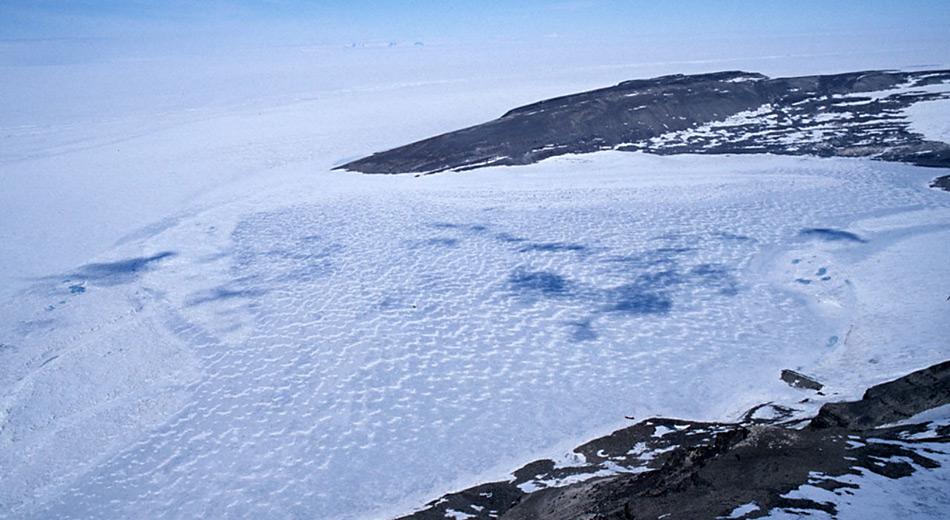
x=199, y=318
x=336, y=344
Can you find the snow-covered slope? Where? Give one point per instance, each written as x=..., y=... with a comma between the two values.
x=931, y=119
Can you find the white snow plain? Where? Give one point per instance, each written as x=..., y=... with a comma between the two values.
x=254, y=335
x=931, y=119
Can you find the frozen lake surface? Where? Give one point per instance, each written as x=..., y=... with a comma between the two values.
x=240, y=332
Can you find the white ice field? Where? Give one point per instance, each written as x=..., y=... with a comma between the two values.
x=200, y=319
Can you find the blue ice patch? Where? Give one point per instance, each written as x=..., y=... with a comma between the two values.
x=832, y=235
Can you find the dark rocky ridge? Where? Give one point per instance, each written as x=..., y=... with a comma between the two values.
x=717, y=113
x=889, y=402
x=674, y=469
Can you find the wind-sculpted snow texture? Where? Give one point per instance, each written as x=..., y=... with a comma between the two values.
x=857, y=114
x=353, y=346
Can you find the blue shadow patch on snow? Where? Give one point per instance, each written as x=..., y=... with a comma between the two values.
x=553, y=247
x=649, y=284
x=467, y=228
x=538, y=282
x=832, y=235
x=635, y=299
x=444, y=225
x=725, y=235
x=223, y=294
x=120, y=272
x=717, y=276
x=433, y=242
x=441, y=242
x=652, y=292
x=658, y=280
x=278, y=248
x=24, y=328
x=509, y=238
x=582, y=330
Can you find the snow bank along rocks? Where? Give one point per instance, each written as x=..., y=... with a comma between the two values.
x=674, y=469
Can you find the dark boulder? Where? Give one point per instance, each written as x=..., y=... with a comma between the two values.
x=799, y=380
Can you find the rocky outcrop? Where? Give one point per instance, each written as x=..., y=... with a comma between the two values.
x=673, y=469
x=798, y=380
x=890, y=402
x=857, y=114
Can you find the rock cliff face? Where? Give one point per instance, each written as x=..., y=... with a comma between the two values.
x=674, y=469
x=856, y=114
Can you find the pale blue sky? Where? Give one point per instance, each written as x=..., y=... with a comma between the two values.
x=332, y=21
